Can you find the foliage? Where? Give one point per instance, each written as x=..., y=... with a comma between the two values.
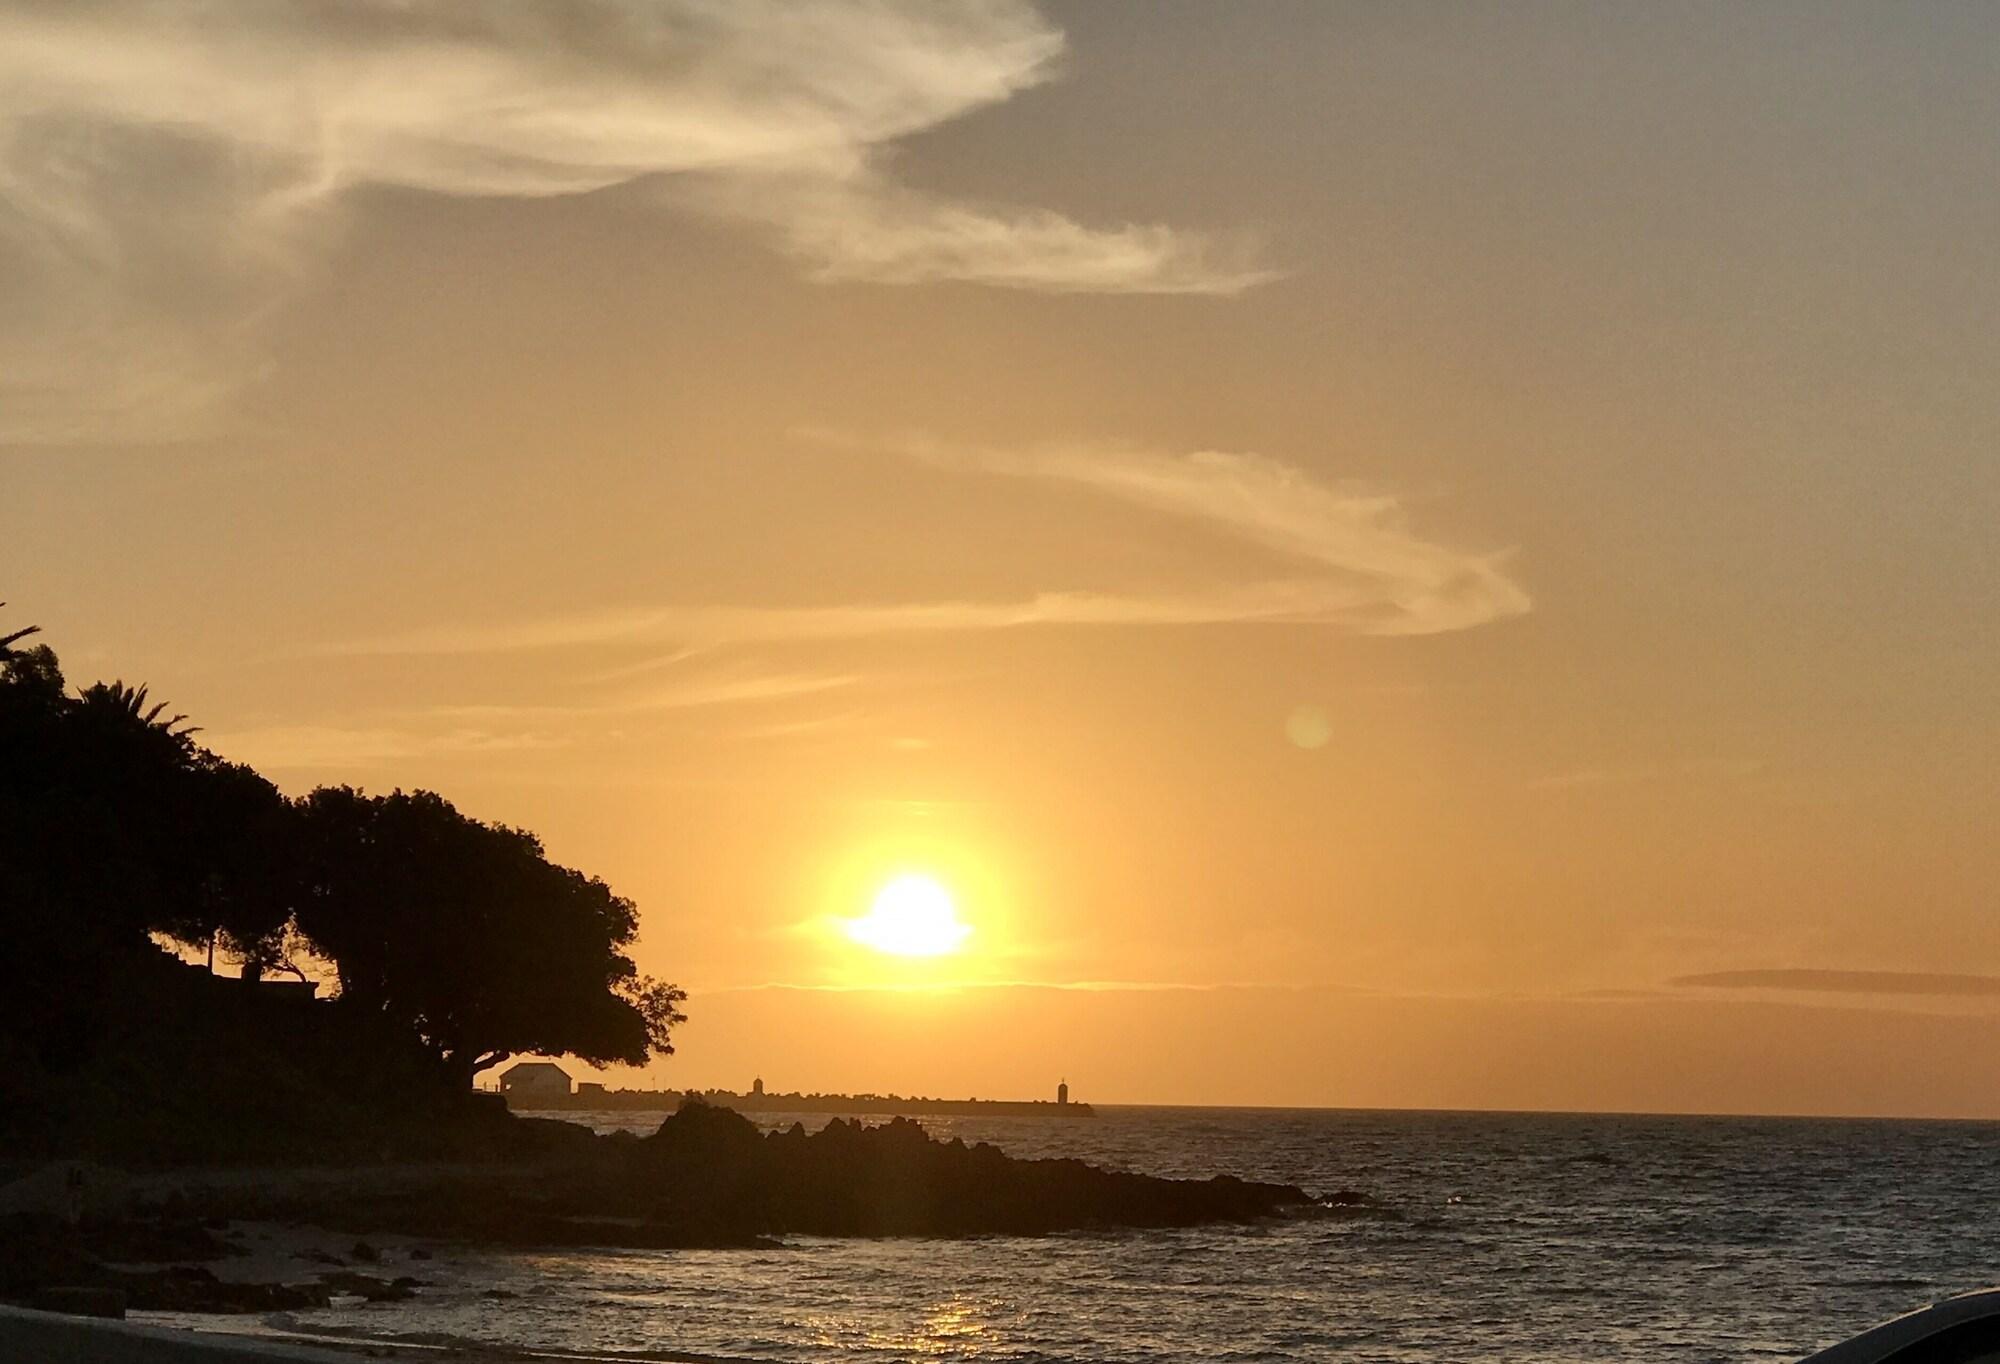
x=458, y=936
x=118, y=825
x=468, y=935
x=659, y=1004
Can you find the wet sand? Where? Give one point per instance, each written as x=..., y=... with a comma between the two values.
x=48, y=1338
x=51, y=1338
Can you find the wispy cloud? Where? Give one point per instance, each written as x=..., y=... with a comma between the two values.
x=335, y=747
x=1846, y=982
x=1060, y=986
x=1354, y=565
x=792, y=729
x=384, y=736
x=864, y=227
x=1722, y=769
x=1383, y=578
x=166, y=170
x=718, y=689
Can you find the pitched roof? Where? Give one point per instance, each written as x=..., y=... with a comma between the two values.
x=523, y=1068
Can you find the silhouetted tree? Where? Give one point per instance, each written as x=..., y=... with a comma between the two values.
x=33, y=669
x=149, y=833
x=31, y=701
x=466, y=934
x=659, y=1004
x=114, y=824
x=54, y=946
x=116, y=827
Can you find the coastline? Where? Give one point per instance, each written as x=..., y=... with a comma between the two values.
x=185, y=1251
x=272, y=1254
x=665, y=1101
x=1575, y=1204
x=55, y=1338
x=58, y=1338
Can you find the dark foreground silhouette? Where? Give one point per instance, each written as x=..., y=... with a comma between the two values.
x=709, y=1173
x=451, y=944
x=706, y=1178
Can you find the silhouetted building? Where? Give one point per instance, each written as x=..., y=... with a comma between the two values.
x=757, y=1088
x=531, y=1082
x=286, y=991
x=589, y=1089
x=1062, y=1092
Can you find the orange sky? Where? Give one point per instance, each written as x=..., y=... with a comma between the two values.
x=1365, y=545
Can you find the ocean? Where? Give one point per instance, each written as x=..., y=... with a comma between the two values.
x=1526, y=1238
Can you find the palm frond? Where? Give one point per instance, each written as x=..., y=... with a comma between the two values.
x=131, y=702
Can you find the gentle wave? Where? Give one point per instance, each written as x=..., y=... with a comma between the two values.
x=1533, y=1239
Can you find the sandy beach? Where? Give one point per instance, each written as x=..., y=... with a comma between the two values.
x=274, y=1253
x=50, y=1338
x=53, y=1338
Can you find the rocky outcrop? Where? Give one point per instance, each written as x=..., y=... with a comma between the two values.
x=709, y=1178
x=712, y=1166
x=706, y=1178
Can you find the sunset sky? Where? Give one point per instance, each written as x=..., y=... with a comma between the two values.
x=1433, y=555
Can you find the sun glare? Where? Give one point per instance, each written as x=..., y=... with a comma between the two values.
x=912, y=916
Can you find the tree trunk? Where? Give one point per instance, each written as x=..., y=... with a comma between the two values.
x=461, y=1066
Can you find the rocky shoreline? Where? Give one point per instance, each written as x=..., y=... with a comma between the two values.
x=708, y=1178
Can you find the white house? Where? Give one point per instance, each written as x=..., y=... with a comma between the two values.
x=528, y=1083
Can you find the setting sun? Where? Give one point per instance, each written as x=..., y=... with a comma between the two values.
x=637, y=628
x=912, y=916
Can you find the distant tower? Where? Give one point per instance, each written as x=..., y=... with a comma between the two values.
x=757, y=1088
x=1062, y=1092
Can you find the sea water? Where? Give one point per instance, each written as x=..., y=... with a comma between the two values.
x=1509, y=1237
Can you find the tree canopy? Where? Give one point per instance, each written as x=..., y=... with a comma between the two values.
x=424, y=910
x=117, y=827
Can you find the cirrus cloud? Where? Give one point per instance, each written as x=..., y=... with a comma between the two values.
x=1352, y=563
x=1822, y=981
x=167, y=166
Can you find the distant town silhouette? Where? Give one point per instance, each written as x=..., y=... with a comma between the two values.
x=543, y=1086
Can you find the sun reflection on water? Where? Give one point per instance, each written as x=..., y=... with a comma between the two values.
x=959, y=1328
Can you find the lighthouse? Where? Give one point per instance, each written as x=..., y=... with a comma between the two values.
x=1062, y=1092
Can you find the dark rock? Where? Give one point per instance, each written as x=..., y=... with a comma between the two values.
x=38, y=1252
x=707, y=1177
x=82, y=1302
x=154, y=1240
x=369, y=1287
x=40, y=1256
x=710, y=1167
x=191, y=1288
